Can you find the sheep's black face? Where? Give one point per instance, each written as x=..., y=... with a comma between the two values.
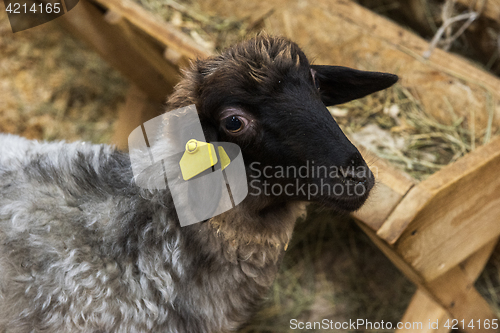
x=266, y=97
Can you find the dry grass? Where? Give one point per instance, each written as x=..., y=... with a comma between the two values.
x=213, y=32
x=395, y=126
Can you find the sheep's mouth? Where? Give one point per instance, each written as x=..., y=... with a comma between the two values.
x=346, y=204
x=352, y=198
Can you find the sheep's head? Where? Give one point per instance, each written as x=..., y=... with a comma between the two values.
x=265, y=96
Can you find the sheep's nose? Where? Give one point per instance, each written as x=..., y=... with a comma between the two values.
x=357, y=170
x=356, y=179
x=356, y=159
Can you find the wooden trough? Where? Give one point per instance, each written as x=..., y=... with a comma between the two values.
x=439, y=232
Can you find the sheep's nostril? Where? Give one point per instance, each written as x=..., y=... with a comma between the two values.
x=356, y=171
x=355, y=179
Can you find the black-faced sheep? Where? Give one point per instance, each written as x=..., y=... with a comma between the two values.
x=83, y=249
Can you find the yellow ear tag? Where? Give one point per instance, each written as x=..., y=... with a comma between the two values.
x=224, y=159
x=198, y=157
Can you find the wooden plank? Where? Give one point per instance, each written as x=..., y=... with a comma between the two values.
x=448, y=177
x=138, y=108
x=461, y=213
x=455, y=291
x=423, y=309
x=86, y=22
x=386, y=173
x=407, y=210
x=408, y=42
x=314, y=25
x=491, y=9
x=392, y=185
x=149, y=51
x=392, y=255
x=435, y=80
x=380, y=204
x=474, y=265
x=162, y=31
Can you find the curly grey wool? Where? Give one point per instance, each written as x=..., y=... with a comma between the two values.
x=83, y=249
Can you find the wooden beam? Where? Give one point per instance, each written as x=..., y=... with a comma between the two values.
x=138, y=109
x=450, y=215
x=454, y=290
x=423, y=309
x=408, y=42
x=456, y=293
x=154, y=56
x=153, y=26
x=393, y=256
x=392, y=185
x=87, y=22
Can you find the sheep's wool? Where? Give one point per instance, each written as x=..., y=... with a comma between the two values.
x=83, y=249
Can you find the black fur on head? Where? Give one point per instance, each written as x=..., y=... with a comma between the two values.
x=265, y=96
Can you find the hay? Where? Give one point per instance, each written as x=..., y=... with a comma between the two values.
x=394, y=125
x=212, y=32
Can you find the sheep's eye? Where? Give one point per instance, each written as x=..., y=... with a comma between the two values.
x=234, y=124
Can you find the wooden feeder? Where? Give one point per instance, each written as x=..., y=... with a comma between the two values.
x=439, y=232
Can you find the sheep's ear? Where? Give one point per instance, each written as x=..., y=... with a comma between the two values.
x=342, y=84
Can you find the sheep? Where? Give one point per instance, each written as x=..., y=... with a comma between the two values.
x=84, y=249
